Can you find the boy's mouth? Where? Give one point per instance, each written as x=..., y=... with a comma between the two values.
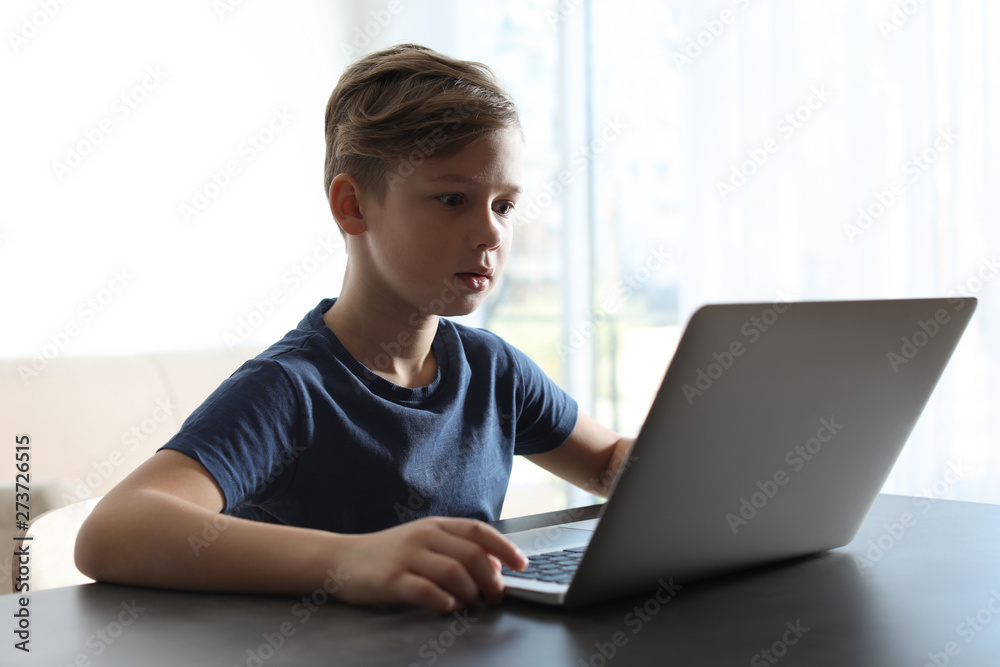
x=477, y=281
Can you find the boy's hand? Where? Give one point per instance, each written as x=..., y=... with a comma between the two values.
x=437, y=562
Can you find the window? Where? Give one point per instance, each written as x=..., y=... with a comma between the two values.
x=678, y=153
x=686, y=153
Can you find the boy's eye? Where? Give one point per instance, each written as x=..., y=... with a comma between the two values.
x=504, y=207
x=450, y=200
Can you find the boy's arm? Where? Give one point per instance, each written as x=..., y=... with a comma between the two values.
x=161, y=527
x=589, y=458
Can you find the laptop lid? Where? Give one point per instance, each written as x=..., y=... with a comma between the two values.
x=773, y=431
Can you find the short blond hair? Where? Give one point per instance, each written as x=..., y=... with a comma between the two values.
x=394, y=108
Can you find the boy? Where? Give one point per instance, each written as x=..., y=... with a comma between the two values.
x=373, y=403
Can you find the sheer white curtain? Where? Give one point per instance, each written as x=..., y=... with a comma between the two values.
x=846, y=150
x=819, y=150
x=745, y=138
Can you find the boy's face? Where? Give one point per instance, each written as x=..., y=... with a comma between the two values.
x=439, y=240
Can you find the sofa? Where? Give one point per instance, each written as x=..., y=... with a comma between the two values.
x=93, y=420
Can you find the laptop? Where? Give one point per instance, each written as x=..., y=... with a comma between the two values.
x=773, y=431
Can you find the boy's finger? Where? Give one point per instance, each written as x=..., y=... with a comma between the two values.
x=420, y=591
x=490, y=539
x=480, y=565
x=448, y=573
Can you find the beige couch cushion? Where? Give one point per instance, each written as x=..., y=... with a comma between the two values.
x=92, y=420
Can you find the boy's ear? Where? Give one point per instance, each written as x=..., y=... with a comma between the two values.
x=345, y=204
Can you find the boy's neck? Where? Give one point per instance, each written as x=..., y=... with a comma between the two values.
x=386, y=342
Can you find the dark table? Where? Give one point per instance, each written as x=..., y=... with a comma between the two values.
x=920, y=585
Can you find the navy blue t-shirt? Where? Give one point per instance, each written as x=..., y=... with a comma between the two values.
x=305, y=435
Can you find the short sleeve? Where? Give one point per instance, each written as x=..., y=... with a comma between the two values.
x=246, y=432
x=546, y=415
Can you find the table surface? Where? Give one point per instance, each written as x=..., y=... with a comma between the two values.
x=920, y=585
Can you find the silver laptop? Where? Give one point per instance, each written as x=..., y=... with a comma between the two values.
x=770, y=437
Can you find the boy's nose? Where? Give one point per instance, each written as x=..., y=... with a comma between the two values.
x=489, y=231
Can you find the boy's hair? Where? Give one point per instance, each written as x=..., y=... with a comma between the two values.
x=394, y=108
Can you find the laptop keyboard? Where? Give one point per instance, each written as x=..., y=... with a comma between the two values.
x=555, y=566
